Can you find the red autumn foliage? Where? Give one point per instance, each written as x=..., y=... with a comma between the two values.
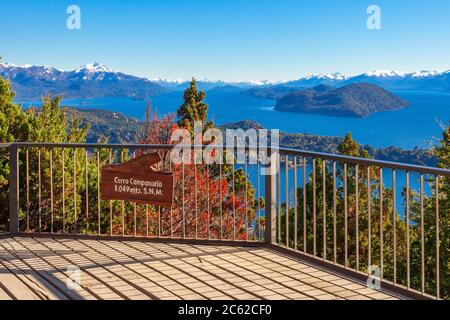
x=205, y=205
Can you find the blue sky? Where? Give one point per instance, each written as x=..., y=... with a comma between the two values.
x=229, y=39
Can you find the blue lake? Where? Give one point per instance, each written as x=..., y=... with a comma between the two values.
x=416, y=125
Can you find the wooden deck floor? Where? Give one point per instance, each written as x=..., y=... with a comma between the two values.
x=36, y=268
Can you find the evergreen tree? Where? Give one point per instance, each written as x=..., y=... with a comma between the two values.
x=193, y=109
x=14, y=126
x=351, y=148
x=44, y=124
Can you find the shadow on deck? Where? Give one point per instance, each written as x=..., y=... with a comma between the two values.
x=37, y=268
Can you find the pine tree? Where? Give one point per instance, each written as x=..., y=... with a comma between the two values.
x=14, y=126
x=442, y=151
x=351, y=148
x=14, y=123
x=193, y=109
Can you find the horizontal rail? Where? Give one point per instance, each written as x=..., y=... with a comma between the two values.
x=5, y=145
x=289, y=151
x=367, y=162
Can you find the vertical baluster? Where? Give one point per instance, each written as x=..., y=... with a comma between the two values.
x=27, y=164
x=345, y=217
x=134, y=219
x=195, y=200
x=295, y=205
x=63, y=169
x=369, y=219
x=381, y=225
x=122, y=202
x=304, y=205
x=160, y=231
x=161, y=167
x=408, y=278
x=394, y=213
x=110, y=202
x=286, y=169
x=314, y=208
x=234, y=204
x=422, y=237
x=259, y=197
x=324, y=196
x=221, y=201
x=87, y=189
x=39, y=190
x=279, y=198
x=247, y=157
x=134, y=208
x=182, y=206
x=14, y=192
x=99, y=231
x=146, y=221
x=438, y=281
x=357, y=214
x=334, y=214
x=171, y=208
x=51, y=190
x=75, y=218
x=208, y=201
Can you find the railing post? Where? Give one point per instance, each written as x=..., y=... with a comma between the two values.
x=13, y=189
x=270, y=196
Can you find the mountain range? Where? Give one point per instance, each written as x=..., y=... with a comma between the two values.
x=96, y=80
x=88, y=81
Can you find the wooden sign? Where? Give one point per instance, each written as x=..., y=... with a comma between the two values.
x=136, y=180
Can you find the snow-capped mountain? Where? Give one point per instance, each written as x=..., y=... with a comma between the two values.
x=206, y=84
x=437, y=81
x=88, y=81
x=318, y=79
x=93, y=68
x=97, y=80
x=407, y=81
x=387, y=79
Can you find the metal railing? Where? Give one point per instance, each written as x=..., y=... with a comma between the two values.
x=372, y=218
x=55, y=188
x=377, y=218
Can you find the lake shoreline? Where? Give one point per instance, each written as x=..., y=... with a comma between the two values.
x=419, y=125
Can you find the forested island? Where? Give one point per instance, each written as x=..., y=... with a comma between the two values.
x=354, y=100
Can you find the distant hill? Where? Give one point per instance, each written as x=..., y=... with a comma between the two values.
x=309, y=142
x=206, y=85
x=271, y=92
x=88, y=81
x=354, y=100
x=243, y=124
x=226, y=89
x=108, y=126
